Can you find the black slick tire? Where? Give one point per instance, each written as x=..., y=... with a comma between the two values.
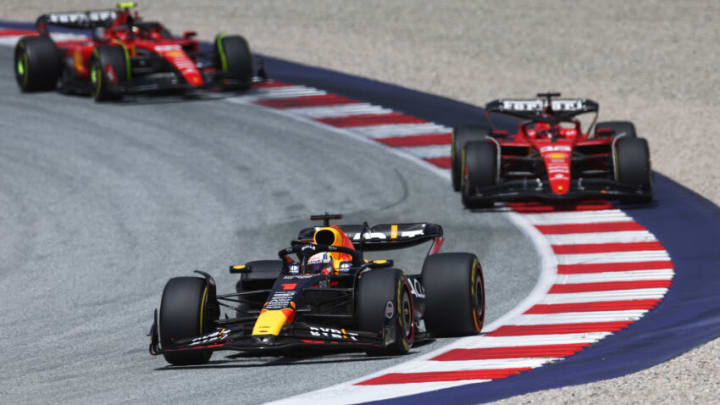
x=37, y=64
x=108, y=71
x=460, y=137
x=234, y=60
x=625, y=129
x=184, y=313
x=633, y=168
x=455, y=294
x=384, y=294
x=479, y=162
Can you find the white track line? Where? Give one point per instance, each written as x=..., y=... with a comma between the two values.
x=601, y=237
x=490, y=364
x=427, y=152
x=614, y=257
x=393, y=130
x=598, y=296
x=342, y=110
x=580, y=217
x=579, y=317
x=635, y=275
x=536, y=340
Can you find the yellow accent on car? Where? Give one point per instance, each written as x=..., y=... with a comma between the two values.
x=337, y=238
x=202, y=309
x=26, y=77
x=473, y=293
x=124, y=5
x=382, y=261
x=270, y=322
x=393, y=231
x=96, y=73
x=221, y=52
x=128, y=67
x=239, y=267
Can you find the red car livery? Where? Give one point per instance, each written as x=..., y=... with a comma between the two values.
x=549, y=157
x=122, y=54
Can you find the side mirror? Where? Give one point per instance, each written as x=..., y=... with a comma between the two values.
x=240, y=268
x=377, y=264
x=499, y=133
x=189, y=34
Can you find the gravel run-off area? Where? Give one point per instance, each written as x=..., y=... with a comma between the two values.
x=652, y=62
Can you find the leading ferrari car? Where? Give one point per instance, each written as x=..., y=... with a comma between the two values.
x=125, y=55
x=323, y=294
x=550, y=157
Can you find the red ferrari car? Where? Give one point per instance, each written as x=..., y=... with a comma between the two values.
x=122, y=54
x=550, y=157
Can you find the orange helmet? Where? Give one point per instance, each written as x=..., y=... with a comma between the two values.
x=334, y=236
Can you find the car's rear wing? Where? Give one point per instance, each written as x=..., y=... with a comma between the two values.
x=543, y=108
x=538, y=105
x=387, y=236
x=77, y=19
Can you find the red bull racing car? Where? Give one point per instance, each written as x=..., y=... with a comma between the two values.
x=323, y=294
x=122, y=54
x=549, y=157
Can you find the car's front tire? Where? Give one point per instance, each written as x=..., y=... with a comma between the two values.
x=632, y=167
x=185, y=313
x=234, y=60
x=460, y=137
x=479, y=162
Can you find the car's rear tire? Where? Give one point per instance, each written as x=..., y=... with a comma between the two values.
x=479, y=162
x=625, y=129
x=385, y=294
x=454, y=294
x=37, y=64
x=460, y=137
x=633, y=168
x=185, y=313
x=234, y=59
x=108, y=71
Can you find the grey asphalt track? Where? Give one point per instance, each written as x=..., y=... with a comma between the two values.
x=651, y=61
x=102, y=203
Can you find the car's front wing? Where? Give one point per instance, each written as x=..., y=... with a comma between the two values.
x=588, y=188
x=295, y=336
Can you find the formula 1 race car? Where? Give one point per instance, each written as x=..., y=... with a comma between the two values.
x=550, y=157
x=328, y=297
x=124, y=55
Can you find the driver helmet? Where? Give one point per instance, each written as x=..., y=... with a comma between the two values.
x=320, y=263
